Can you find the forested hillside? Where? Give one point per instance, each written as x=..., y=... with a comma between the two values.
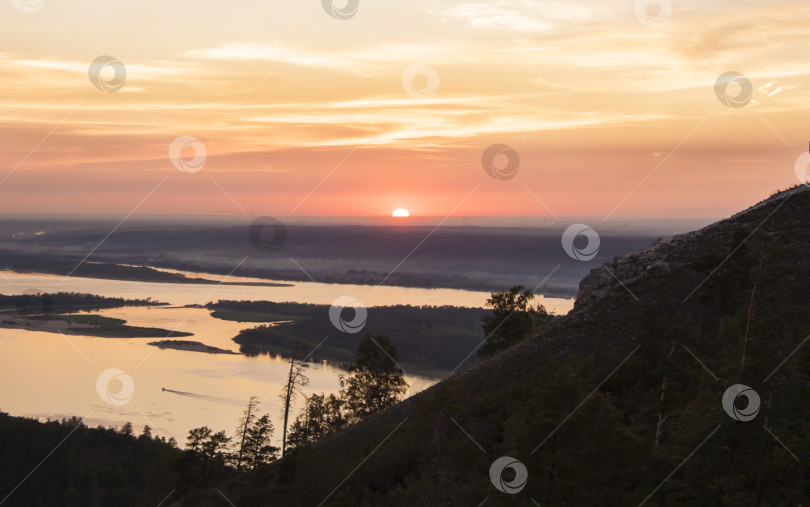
x=84, y=466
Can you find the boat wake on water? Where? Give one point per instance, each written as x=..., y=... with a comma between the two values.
x=217, y=399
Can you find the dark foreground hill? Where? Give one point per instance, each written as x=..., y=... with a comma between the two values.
x=66, y=463
x=620, y=403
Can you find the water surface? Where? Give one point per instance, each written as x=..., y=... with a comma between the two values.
x=53, y=375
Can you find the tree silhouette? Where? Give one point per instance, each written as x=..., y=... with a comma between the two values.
x=322, y=415
x=242, y=429
x=375, y=381
x=295, y=381
x=257, y=450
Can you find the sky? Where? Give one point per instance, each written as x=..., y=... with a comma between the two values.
x=308, y=108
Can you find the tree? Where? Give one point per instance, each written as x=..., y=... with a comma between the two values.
x=295, y=381
x=208, y=446
x=242, y=430
x=147, y=433
x=375, y=380
x=216, y=445
x=512, y=319
x=196, y=438
x=126, y=429
x=321, y=416
x=258, y=450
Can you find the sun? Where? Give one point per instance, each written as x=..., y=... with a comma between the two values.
x=400, y=212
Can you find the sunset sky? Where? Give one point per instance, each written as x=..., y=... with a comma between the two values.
x=303, y=114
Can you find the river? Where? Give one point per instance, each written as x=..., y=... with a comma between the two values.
x=47, y=375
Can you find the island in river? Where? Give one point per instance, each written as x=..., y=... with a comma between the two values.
x=190, y=346
x=85, y=325
x=59, y=313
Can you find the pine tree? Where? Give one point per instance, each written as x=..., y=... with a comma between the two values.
x=259, y=450
x=321, y=416
x=147, y=433
x=243, y=429
x=127, y=430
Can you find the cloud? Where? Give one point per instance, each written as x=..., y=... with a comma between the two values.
x=521, y=15
x=774, y=88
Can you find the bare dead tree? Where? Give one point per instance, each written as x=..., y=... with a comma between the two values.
x=295, y=381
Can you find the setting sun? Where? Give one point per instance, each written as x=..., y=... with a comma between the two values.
x=400, y=212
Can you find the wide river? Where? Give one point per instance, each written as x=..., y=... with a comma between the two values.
x=47, y=375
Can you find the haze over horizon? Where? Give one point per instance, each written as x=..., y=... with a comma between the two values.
x=613, y=114
x=535, y=222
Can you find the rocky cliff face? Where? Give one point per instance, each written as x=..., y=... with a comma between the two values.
x=674, y=275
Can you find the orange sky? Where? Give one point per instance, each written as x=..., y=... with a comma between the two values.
x=307, y=115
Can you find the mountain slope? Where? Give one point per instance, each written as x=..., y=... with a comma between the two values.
x=620, y=401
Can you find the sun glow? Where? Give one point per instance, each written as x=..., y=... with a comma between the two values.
x=400, y=212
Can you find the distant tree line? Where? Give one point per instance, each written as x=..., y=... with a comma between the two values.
x=37, y=262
